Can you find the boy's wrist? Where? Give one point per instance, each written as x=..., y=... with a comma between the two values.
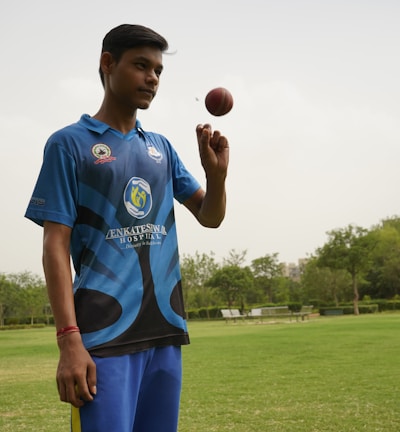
x=69, y=341
x=62, y=332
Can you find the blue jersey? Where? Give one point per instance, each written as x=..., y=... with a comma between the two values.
x=117, y=194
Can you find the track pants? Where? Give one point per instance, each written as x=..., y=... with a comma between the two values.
x=135, y=393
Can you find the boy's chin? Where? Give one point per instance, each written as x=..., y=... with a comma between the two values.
x=144, y=105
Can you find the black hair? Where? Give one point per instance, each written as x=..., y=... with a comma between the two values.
x=127, y=36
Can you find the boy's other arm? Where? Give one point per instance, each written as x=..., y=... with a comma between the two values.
x=76, y=373
x=209, y=206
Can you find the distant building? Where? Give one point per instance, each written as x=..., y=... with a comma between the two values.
x=293, y=270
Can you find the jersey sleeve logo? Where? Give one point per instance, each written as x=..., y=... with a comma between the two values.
x=137, y=197
x=102, y=153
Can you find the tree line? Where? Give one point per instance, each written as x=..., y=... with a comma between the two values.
x=354, y=264
x=23, y=299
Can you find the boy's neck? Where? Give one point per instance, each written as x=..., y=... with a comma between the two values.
x=123, y=121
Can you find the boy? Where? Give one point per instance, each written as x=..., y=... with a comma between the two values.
x=104, y=196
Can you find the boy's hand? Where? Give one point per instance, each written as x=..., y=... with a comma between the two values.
x=214, y=151
x=76, y=373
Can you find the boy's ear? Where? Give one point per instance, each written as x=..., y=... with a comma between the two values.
x=106, y=62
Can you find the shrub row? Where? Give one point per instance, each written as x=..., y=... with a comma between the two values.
x=383, y=304
x=21, y=326
x=214, y=312
x=348, y=310
x=211, y=312
x=13, y=321
x=388, y=305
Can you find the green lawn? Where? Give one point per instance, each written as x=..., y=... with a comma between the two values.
x=327, y=374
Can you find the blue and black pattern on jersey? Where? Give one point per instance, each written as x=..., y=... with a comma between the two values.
x=117, y=193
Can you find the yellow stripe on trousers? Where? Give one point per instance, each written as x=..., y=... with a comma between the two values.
x=75, y=420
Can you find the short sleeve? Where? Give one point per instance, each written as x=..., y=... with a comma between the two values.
x=55, y=194
x=185, y=185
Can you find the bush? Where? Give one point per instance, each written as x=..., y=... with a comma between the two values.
x=211, y=312
x=294, y=307
x=21, y=326
x=192, y=314
x=388, y=305
x=348, y=310
x=326, y=310
x=368, y=308
x=12, y=321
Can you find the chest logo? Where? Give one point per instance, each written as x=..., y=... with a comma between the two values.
x=152, y=149
x=137, y=197
x=102, y=153
x=154, y=153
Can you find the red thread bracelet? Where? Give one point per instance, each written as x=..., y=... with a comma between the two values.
x=66, y=330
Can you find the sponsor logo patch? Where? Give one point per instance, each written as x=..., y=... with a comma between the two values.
x=137, y=197
x=102, y=153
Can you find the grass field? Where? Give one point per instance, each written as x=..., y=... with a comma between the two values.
x=337, y=374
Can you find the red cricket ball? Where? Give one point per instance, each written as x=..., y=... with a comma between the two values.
x=219, y=101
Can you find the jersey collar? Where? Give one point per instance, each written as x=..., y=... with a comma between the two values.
x=99, y=127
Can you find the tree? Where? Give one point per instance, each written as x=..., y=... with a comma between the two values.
x=4, y=297
x=324, y=284
x=283, y=289
x=347, y=249
x=9, y=298
x=235, y=258
x=265, y=270
x=384, y=273
x=22, y=295
x=232, y=282
x=196, y=271
x=33, y=301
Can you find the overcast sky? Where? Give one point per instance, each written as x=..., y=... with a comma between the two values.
x=314, y=132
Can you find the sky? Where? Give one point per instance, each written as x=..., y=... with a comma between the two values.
x=314, y=132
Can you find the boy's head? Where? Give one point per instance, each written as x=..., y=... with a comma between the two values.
x=127, y=36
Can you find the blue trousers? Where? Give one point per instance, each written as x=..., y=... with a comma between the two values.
x=135, y=393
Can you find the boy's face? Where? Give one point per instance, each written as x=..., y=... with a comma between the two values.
x=134, y=80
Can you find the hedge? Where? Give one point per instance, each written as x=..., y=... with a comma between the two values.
x=349, y=310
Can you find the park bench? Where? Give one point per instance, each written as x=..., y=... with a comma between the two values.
x=333, y=312
x=231, y=314
x=270, y=312
x=280, y=312
x=304, y=312
x=276, y=312
x=255, y=313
